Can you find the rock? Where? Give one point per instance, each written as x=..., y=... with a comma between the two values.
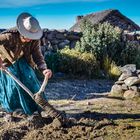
x=138, y=71
x=51, y=36
x=44, y=114
x=63, y=44
x=124, y=87
x=89, y=103
x=132, y=81
x=56, y=123
x=125, y=75
x=55, y=41
x=117, y=91
x=119, y=82
x=2, y=113
x=134, y=88
x=73, y=37
x=139, y=75
x=129, y=94
x=60, y=36
x=129, y=67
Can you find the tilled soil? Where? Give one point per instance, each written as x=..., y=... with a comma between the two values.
x=99, y=118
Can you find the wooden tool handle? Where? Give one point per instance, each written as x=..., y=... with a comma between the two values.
x=43, y=85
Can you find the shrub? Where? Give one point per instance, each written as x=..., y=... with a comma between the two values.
x=102, y=40
x=73, y=62
x=77, y=63
x=101, y=46
x=52, y=61
x=111, y=69
x=131, y=53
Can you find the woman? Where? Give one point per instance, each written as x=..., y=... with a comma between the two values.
x=20, y=53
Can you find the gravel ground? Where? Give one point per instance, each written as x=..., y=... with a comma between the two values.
x=77, y=89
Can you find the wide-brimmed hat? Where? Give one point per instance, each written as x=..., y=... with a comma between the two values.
x=28, y=26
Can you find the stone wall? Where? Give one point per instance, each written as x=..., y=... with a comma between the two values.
x=128, y=84
x=1, y=30
x=58, y=39
x=131, y=36
x=53, y=40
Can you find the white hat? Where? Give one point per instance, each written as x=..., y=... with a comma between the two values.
x=29, y=27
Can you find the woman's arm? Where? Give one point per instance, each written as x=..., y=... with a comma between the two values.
x=0, y=62
x=38, y=57
x=39, y=60
x=3, y=40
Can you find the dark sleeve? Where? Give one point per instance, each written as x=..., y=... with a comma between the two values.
x=38, y=57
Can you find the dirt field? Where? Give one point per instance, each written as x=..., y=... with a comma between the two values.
x=99, y=118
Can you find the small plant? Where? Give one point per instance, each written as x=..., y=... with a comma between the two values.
x=111, y=69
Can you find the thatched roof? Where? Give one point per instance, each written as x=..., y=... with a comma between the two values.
x=102, y=16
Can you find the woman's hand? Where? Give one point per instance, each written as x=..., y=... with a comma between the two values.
x=47, y=73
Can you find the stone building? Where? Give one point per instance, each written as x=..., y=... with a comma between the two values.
x=112, y=16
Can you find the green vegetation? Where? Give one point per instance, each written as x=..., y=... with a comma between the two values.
x=102, y=40
x=73, y=62
x=110, y=68
x=99, y=52
x=130, y=54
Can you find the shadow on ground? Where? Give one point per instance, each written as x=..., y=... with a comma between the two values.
x=100, y=116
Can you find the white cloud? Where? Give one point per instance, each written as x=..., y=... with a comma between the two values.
x=21, y=3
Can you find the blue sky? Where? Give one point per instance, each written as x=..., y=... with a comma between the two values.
x=60, y=14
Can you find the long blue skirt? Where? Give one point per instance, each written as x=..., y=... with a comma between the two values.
x=12, y=96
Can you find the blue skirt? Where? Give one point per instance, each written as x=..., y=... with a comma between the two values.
x=12, y=96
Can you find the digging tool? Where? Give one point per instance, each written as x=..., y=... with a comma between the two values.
x=37, y=97
x=41, y=90
x=59, y=117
